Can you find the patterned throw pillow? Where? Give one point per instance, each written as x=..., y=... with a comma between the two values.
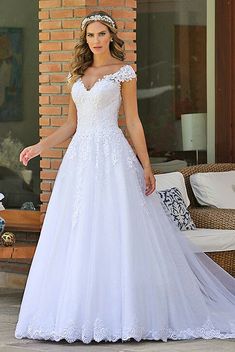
x=174, y=204
x=2, y=225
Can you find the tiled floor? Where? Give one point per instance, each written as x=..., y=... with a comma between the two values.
x=9, y=306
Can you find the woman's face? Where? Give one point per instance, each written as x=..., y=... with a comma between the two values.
x=98, y=37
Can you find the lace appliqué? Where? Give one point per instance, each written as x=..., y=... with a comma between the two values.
x=137, y=170
x=126, y=73
x=92, y=150
x=98, y=331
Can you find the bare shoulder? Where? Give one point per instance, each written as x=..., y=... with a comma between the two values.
x=117, y=65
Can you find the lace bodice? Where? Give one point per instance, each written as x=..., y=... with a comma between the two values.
x=97, y=108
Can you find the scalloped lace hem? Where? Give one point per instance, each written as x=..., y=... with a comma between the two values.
x=98, y=334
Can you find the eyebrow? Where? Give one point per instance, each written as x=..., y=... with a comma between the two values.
x=98, y=32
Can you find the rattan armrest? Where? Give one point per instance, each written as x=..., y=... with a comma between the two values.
x=213, y=218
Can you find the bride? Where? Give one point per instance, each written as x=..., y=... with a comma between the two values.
x=109, y=264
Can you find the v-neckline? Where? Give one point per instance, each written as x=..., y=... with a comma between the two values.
x=100, y=79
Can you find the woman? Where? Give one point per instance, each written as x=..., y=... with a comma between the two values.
x=109, y=264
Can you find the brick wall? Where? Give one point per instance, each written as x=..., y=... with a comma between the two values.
x=58, y=31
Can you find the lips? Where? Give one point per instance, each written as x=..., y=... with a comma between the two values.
x=97, y=47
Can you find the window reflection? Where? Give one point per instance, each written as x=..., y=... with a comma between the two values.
x=18, y=102
x=171, y=58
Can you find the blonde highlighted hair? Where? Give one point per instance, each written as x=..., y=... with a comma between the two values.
x=83, y=56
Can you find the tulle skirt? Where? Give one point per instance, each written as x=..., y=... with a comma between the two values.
x=110, y=264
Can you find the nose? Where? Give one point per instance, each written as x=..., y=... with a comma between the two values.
x=96, y=41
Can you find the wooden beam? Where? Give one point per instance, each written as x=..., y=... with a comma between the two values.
x=225, y=80
x=21, y=220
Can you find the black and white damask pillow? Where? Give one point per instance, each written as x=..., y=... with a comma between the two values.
x=174, y=204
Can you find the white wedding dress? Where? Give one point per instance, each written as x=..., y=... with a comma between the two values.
x=109, y=263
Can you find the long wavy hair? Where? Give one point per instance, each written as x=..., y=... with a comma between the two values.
x=83, y=56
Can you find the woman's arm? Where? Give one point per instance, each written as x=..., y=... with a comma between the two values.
x=60, y=135
x=136, y=131
x=65, y=131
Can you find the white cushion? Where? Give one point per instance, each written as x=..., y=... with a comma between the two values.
x=215, y=189
x=1, y=205
x=212, y=240
x=172, y=179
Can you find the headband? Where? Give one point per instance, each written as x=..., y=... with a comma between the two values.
x=97, y=18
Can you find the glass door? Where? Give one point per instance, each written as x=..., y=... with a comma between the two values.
x=172, y=80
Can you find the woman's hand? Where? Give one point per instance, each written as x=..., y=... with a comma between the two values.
x=150, y=180
x=29, y=153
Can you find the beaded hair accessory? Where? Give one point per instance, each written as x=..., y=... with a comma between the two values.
x=97, y=18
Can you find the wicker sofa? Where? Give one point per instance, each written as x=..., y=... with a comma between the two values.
x=212, y=218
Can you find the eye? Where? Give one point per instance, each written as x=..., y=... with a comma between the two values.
x=103, y=33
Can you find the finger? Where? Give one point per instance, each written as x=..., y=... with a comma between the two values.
x=151, y=188
x=23, y=153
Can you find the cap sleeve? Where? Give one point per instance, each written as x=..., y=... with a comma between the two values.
x=126, y=73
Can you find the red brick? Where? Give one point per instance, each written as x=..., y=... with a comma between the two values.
x=127, y=35
x=49, y=89
x=43, y=57
x=66, y=67
x=43, y=78
x=130, y=56
x=61, y=13
x=61, y=35
x=51, y=67
x=116, y=13
x=52, y=46
x=49, y=3
x=44, y=36
x=52, y=153
x=131, y=3
x=48, y=175
x=44, y=121
x=59, y=99
x=130, y=46
x=130, y=25
x=68, y=45
x=44, y=99
x=50, y=110
x=49, y=25
x=45, y=197
x=71, y=24
x=66, y=89
x=55, y=164
x=45, y=163
x=58, y=78
x=72, y=3
x=121, y=122
x=43, y=208
x=112, y=3
x=91, y=3
x=43, y=15
x=80, y=12
x=60, y=57
x=120, y=25
x=42, y=217
x=45, y=186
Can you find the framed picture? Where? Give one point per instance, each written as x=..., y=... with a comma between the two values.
x=11, y=66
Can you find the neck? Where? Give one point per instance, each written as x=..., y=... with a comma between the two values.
x=102, y=59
